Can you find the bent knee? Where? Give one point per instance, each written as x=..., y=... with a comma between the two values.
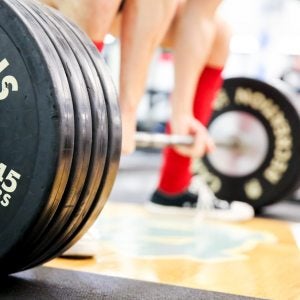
x=221, y=45
x=223, y=30
x=223, y=35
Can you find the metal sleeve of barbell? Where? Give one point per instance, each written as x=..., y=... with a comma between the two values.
x=159, y=140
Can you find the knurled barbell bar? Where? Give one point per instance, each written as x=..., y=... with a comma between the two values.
x=161, y=140
x=60, y=133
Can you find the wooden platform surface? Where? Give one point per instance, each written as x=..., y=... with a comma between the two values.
x=258, y=258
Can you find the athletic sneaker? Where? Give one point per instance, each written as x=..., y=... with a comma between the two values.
x=207, y=206
x=185, y=199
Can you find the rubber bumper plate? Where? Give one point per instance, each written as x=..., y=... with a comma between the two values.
x=56, y=243
x=259, y=122
x=37, y=131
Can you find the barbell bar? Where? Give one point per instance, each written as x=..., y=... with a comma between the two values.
x=161, y=140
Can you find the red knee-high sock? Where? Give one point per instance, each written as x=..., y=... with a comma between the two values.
x=175, y=175
x=99, y=45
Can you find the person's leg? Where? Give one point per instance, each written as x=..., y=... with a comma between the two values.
x=93, y=16
x=211, y=80
x=144, y=24
x=175, y=172
x=193, y=40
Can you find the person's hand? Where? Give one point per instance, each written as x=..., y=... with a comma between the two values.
x=188, y=125
x=128, y=131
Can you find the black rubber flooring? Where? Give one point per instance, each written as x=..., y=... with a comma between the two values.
x=48, y=283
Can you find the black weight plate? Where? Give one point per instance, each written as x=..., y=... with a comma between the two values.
x=100, y=136
x=37, y=131
x=83, y=139
x=114, y=130
x=275, y=110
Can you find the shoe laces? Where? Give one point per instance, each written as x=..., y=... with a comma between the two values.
x=206, y=198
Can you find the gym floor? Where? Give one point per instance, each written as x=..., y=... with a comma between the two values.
x=258, y=258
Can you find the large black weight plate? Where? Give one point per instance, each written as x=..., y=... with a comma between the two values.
x=99, y=142
x=83, y=140
x=114, y=140
x=37, y=131
x=266, y=119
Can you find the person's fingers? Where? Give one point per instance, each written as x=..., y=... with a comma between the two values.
x=128, y=134
x=127, y=147
x=128, y=142
x=210, y=145
x=203, y=134
x=198, y=149
x=201, y=143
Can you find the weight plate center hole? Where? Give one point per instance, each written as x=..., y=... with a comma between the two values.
x=242, y=143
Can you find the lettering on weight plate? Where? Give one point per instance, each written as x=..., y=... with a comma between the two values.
x=8, y=83
x=213, y=181
x=253, y=189
x=222, y=100
x=9, y=180
x=282, y=152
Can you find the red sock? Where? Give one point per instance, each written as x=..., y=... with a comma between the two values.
x=175, y=174
x=99, y=45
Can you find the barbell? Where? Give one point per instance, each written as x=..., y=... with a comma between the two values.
x=161, y=140
x=60, y=133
